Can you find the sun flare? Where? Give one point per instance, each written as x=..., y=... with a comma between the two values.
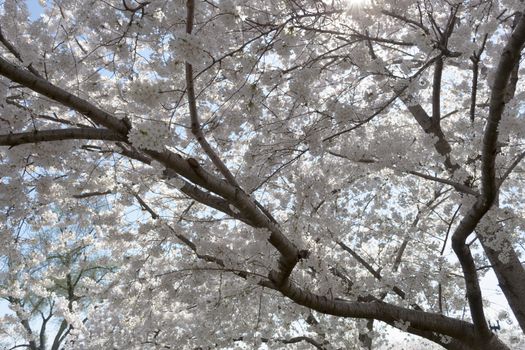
x=356, y=4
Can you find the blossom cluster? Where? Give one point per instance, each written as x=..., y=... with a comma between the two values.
x=152, y=136
x=144, y=92
x=188, y=48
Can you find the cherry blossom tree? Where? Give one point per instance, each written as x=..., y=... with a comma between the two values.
x=281, y=173
x=48, y=279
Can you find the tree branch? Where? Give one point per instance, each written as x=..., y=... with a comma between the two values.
x=373, y=271
x=15, y=53
x=489, y=185
x=59, y=135
x=436, y=93
x=298, y=339
x=91, y=194
x=423, y=321
x=475, y=58
x=196, y=128
x=509, y=59
x=457, y=186
x=55, y=93
x=510, y=169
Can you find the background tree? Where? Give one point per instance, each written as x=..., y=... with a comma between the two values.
x=305, y=166
x=49, y=280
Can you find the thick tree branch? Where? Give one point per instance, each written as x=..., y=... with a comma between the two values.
x=422, y=321
x=60, y=95
x=514, y=75
x=509, y=59
x=436, y=93
x=489, y=184
x=59, y=135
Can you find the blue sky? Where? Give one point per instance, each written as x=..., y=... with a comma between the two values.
x=34, y=8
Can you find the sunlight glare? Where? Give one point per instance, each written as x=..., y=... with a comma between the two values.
x=356, y=4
